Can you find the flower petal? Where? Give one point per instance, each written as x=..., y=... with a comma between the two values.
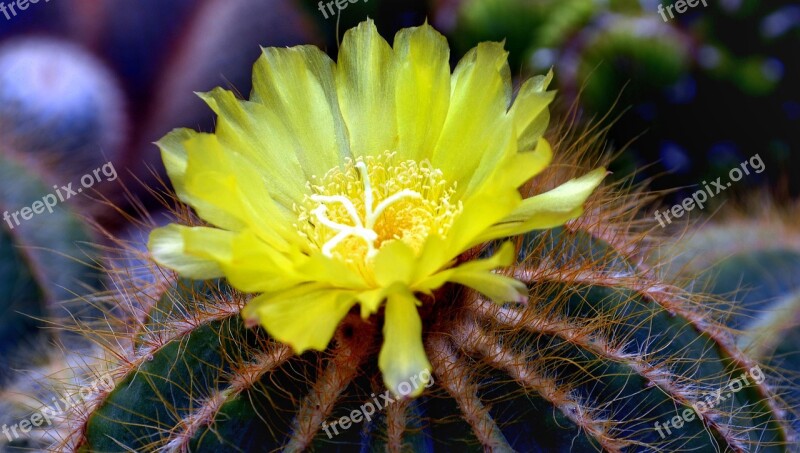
x=548, y=210
x=488, y=174
x=304, y=317
x=173, y=153
x=499, y=288
x=298, y=85
x=255, y=266
x=434, y=256
x=525, y=165
x=530, y=112
x=225, y=187
x=371, y=300
x=394, y=263
x=480, y=213
x=203, y=253
x=476, y=120
x=321, y=268
x=258, y=133
x=481, y=276
x=365, y=84
x=176, y=159
x=168, y=247
x=402, y=358
x=422, y=60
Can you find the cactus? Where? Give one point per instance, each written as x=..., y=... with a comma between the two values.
x=54, y=127
x=45, y=263
x=597, y=351
x=602, y=351
x=61, y=105
x=754, y=262
x=46, y=259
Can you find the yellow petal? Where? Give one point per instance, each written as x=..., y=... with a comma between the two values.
x=227, y=190
x=259, y=134
x=525, y=165
x=487, y=176
x=203, y=253
x=499, y=288
x=304, y=317
x=510, y=167
x=298, y=85
x=176, y=157
x=422, y=61
x=394, y=263
x=365, y=84
x=254, y=266
x=173, y=153
x=481, y=212
x=320, y=268
x=481, y=276
x=402, y=359
x=168, y=248
x=550, y=209
x=435, y=256
x=371, y=300
x=480, y=94
x=530, y=112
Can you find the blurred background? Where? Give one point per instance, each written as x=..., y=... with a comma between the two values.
x=84, y=82
x=88, y=82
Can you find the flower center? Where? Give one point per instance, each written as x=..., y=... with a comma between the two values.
x=353, y=211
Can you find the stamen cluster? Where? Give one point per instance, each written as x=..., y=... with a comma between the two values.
x=353, y=211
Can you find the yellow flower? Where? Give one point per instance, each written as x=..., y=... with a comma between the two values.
x=359, y=182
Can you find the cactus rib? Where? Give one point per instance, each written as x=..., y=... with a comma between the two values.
x=343, y=367
x=453, y=377
x=579, y=412
x=241, y=380
x=593, y=341
x=669, y=297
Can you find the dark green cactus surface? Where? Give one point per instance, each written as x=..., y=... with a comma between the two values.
x=755, y=266
x=602, y=355
x=45, y=261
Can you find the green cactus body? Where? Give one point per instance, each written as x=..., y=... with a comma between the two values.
x=43, y=265
x=599, y=354
x=755, y=265
x=40, y=256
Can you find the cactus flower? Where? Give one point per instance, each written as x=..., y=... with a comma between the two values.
x=360, y=183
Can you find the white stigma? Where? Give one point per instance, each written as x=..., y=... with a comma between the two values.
x=365, y=230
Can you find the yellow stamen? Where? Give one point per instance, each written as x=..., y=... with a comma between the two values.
x=369, y=202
